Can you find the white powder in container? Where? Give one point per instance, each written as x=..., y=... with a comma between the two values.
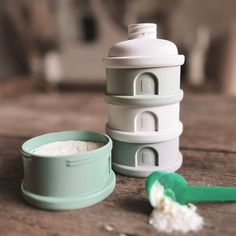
x=169, y=216
x=68, y=147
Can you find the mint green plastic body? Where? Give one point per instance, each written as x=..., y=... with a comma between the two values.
x=129, y=159
x=69, y=181
x=144, y=88
x=128, y=82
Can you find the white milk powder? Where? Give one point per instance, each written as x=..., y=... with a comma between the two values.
x=169, y=216
x=66, y=147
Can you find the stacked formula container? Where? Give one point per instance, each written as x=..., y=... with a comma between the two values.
x=143, y=97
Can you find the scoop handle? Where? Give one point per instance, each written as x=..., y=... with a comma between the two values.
x=209, y=194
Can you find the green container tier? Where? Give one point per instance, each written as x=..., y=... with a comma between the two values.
x=69, y=181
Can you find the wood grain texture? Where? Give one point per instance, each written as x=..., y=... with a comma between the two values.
x=208, y=145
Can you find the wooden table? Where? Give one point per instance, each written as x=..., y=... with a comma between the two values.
x=208, y=144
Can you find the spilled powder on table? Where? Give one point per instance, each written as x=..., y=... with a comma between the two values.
x=169, y=216
x=68, y=147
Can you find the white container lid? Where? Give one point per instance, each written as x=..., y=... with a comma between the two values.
x=143, y=50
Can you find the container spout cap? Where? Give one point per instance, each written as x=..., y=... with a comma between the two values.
x=147, y=30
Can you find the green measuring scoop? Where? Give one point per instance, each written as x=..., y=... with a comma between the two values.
x=177, y=188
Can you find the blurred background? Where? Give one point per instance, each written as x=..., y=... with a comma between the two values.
x=60, y=44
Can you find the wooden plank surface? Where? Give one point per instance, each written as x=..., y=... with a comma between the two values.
x=208, y=145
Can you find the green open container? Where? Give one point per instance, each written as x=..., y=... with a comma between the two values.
x=69, y=181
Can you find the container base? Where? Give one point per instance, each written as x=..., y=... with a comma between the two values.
x=67, y=203
x=144, y=171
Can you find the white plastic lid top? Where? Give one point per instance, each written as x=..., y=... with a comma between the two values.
x=143, y=49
